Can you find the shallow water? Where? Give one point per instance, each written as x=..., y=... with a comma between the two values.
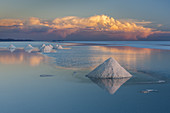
x=55, y=82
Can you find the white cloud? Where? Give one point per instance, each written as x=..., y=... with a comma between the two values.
x=72, y=24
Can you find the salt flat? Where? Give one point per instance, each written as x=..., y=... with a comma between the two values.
x=68, y=90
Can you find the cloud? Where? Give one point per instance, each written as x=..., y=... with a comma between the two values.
x=98, y=23
x=11, y=22
x=33, y=21
x=137, y=22
x=101, y=23
x=68, y=27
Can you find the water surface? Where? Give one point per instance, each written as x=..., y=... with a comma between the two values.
x=38, y=82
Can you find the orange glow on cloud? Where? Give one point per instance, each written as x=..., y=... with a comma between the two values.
x=101, y=23
x=11, y=22
x=34, y=21
x=69, y=25
x=37, y=21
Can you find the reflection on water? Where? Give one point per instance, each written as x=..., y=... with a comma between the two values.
x=127, y=56
x=11, y=49
x=88, y=57
x=91, y=56
x=125, y=49
x=32, y=88
x=110, y=85
x=28, y=50
x=20, y=57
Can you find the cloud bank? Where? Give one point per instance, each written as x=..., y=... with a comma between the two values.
x=99, y=27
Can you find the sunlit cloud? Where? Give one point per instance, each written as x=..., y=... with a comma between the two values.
x=137, y=22
x=71, y=26
x=101, y=23
x=36, y=21
x=11, y=22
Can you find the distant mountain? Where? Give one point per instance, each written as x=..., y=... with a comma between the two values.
x=9, y=39
x=3, y=40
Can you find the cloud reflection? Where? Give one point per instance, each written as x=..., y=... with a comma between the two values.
x=127, y=56
x=22, y=57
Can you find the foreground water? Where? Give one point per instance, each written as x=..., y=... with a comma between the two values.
x=55, y=82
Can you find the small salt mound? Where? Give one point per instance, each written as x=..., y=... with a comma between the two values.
x=28, y=47
x=42, y=46
x=11, y=47
x=51, y=46
x=56, y=46
x=60, y=47
x=109, y=69
x=46, y=49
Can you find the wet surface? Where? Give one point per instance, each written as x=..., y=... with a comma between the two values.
x=35, y=82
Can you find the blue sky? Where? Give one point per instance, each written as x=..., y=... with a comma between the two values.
x=155, y=11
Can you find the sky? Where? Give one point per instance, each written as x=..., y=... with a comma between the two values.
x=85, y=19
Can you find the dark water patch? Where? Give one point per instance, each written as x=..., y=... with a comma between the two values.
x=44, y=75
